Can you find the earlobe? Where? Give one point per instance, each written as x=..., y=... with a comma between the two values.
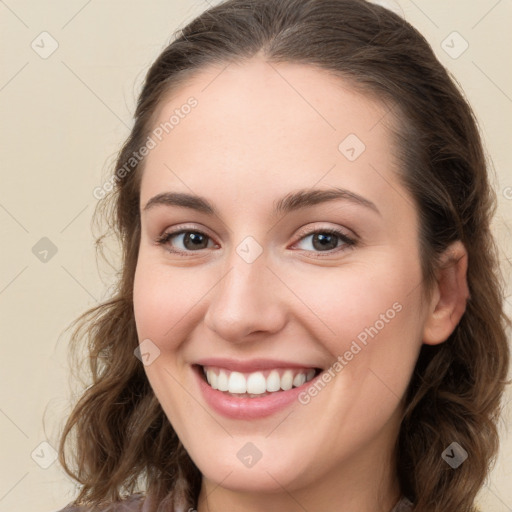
x=450, y=296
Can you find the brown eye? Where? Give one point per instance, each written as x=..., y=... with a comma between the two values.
x=324, y=240
x=185, y=241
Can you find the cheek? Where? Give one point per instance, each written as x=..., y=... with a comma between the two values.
x=163, y=300
x=361, y=303
x=374, y=313
x=374, y=337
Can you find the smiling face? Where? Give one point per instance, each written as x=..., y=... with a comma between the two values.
x=297, y=257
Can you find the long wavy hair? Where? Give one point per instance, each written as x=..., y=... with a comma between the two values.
x=118, y=434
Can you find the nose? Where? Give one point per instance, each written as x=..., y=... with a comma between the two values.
x=246, y=302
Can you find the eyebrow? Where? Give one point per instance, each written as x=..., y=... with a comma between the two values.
x=294, y=201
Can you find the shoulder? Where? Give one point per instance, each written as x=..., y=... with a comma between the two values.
x=131, y=504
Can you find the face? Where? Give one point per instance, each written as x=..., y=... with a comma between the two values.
x=278, y=251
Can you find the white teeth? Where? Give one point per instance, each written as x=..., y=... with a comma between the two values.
x=222, y=380
x=273, y=381
x=255, y=384
x=213, y=380
x=287, y=380
x=237, y=383
x=299, y=379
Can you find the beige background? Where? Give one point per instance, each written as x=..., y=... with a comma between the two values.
x=63, y=119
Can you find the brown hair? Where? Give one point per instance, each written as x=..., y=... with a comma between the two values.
x=123, y=439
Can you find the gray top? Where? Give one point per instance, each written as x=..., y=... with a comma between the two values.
x=404, y=505
x=136, y=503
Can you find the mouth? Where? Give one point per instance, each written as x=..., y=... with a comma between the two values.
x=255, y=384
x=252, y=389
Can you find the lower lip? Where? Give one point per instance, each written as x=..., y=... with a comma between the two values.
x=245, y=408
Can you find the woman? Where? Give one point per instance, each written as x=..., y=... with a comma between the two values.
x=309, y=315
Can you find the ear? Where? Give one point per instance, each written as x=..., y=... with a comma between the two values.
x=449, y=296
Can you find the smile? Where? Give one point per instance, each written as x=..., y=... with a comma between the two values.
x=252, y=389
x=259, y=383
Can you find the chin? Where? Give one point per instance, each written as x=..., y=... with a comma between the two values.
x=226, y=466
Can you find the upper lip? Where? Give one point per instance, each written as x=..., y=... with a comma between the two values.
x=250, y=365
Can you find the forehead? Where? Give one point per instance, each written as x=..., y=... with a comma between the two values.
x=259, y=128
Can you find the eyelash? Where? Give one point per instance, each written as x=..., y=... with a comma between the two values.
x=348, y=242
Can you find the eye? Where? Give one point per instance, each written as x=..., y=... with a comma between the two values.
x=185, y=241
x=324, y=240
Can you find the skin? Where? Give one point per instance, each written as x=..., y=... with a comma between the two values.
x=258, y=133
